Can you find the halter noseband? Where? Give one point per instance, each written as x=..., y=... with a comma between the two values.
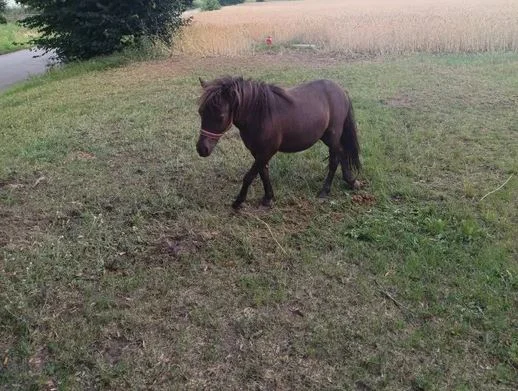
x=215, y=136
x=212, y=136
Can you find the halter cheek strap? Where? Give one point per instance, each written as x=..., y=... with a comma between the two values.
x=215, y=136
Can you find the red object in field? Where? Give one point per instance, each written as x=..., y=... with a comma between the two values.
x=269, y=41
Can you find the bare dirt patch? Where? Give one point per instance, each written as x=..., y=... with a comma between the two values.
x=364, y=199
x=183, y=65
x=38, y=360
x=80, y=155
x=400, y=101
x=21, y=231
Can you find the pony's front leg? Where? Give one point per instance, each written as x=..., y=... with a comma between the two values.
x=247, y=181
x=268, y=189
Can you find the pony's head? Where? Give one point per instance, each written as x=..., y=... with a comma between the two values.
x=228, y=100
x=216, y=114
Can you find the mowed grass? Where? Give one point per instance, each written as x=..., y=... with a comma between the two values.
x=14, y=37
x=124, y=267
x=356, y=27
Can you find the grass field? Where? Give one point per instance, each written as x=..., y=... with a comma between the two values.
x=13, y=37
x=123, y=266
x=357, y=27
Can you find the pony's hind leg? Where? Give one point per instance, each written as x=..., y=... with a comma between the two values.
x=337, y=156
x=348, y=175
x=333, y=165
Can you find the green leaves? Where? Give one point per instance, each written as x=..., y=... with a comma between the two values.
x=79, y=30
x=3, y=7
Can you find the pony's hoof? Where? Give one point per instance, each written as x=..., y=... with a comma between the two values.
x=323, y=194
x=356, y=185
x=266, y=202
x=236, y=205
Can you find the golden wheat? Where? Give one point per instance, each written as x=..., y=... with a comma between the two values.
x=357, y=26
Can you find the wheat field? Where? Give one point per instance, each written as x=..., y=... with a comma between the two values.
x=356, y=27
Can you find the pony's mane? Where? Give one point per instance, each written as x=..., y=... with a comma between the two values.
x=246, y=97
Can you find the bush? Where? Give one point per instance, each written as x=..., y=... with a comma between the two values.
x=3, y=8
x=210, y=5
x=81, y=29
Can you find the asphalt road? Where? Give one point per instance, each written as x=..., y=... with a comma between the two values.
x=18, y=66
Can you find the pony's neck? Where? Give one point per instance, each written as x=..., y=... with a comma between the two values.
x=249, y=121
x=254, y=104
x=246, y=124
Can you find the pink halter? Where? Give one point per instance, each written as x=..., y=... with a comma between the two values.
x=212, y=136
x=215, y=136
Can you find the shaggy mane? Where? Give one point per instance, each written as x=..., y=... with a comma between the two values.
x=246, y=97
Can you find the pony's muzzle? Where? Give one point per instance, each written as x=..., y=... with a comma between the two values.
x=203, y=151
x=204, y=146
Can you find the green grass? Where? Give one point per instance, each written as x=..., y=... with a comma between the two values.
x=14, y=37
x=123, y=266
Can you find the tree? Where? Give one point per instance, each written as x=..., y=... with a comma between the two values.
x=81, y=29
x=3, y=8
x=231, y=2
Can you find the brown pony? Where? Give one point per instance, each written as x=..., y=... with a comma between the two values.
x=272, y=119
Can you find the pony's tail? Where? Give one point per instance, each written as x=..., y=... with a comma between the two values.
x=349, y=141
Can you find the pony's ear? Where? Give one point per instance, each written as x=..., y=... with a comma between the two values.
x=203, y=83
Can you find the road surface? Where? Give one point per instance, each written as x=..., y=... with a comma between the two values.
x=18, y=66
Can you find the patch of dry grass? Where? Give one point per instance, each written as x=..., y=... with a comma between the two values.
x=357, y=26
